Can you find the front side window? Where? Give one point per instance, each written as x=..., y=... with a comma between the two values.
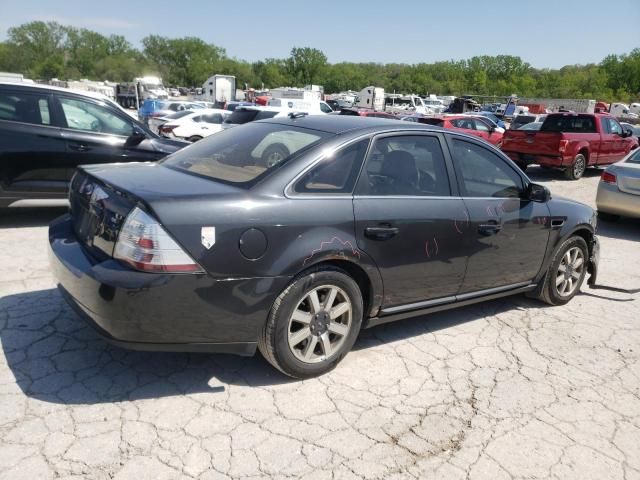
x=242, y=155
x=325, y=108
x=336, y=173
x=481, y=126
x=411, y=165
x=614, y=126
x=25, y=107
x=465, y=123
x=482, y=173
x=87, y=116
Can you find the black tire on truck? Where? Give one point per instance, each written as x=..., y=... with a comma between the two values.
x=577, y=168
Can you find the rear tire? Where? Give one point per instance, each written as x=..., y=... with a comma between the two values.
x=194, y=138
x=301, y=337
x=566, y=273
x=577, y=168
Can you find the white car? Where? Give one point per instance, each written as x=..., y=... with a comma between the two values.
x=196, y=125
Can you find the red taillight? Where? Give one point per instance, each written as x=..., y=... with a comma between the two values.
x=146, y=246
x=608, y=177
x=563, y=145
x=167, y=128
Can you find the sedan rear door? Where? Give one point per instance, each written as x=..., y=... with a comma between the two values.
x=409, y=220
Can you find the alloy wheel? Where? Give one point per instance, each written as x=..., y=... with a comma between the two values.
x=320, y=324
x=579, y=167
x=570, y=271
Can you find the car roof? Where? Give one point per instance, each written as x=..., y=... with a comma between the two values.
x=73, y=91
x=338, y=124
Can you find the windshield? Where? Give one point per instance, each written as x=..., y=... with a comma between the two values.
x=240, y=155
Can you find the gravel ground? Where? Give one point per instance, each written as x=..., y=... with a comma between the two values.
x=503, y=390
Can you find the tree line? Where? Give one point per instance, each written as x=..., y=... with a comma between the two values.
x=45, y=50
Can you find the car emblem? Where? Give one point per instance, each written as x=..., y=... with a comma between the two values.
x=208, y=237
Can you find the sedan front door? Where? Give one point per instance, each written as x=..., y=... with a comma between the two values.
x=409, y=222
x=94, y=133
x=507, y=234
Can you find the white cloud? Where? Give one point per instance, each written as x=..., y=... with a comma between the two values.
x=88, y=22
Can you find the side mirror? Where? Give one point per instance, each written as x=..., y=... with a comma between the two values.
x=135, y=138
x=538, y=193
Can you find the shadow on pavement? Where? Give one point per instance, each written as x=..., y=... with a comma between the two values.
x=622, y=229
x=55, y=357
x=539, y=174
x=29, y=217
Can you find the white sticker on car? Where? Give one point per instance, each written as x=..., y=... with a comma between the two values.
x=208, y=237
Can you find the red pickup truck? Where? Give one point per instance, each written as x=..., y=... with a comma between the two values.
x=570, y=141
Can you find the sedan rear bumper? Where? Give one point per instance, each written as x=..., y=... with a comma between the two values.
x=611, y=200
x=145, y=311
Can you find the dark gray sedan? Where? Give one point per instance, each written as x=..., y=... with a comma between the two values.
x=292, y=234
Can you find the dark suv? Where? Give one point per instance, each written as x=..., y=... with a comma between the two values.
x=46, y=132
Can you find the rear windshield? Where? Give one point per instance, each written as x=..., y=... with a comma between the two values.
x=569, y=123
x=522, y=119
x=432, y=121
x=176, y=115
x=241, y=116
x=635, y=158
x=240, y=155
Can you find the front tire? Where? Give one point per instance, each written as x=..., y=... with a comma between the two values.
x=313, y=324
x=566, y=272
x=576, y=170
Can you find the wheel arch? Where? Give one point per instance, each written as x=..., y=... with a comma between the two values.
x=366, y=276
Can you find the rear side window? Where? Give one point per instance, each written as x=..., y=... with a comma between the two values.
x=336, y=173
x=569, y=124
x=25, y=107
x=241, y=155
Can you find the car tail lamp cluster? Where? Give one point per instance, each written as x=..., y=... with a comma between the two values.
x=146, y=246
x=563, y=145
x=167, y=128
x=608, y=177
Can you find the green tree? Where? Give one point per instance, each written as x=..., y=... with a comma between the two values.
x=306, y=64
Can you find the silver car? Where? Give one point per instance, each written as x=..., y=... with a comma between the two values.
x=619, y=189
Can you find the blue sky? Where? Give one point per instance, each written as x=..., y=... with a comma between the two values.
x=544, y=33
